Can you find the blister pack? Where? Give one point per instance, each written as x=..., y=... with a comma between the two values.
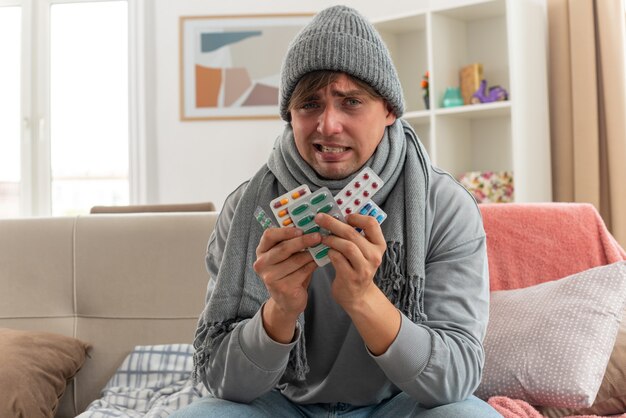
x=280, y=205
x=262, y=218
x=356, y=196
x=373, y=210
x=298, y=208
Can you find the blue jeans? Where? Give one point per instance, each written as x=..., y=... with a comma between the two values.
x=273, y=405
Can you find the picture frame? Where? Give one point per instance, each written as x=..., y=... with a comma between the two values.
x=230, y=64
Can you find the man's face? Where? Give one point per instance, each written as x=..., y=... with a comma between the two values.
x=338, y=128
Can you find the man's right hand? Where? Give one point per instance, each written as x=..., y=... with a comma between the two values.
x=286, y=271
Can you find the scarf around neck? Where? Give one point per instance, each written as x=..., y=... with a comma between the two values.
x=400, y=161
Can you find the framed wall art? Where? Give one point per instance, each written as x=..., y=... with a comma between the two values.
x=230, y=65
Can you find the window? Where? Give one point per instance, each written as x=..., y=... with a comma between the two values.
x=64, y=122
x=88, y=105
x=10, y=104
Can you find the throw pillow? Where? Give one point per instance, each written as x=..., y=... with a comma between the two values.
x=549, y=344
x=611, y=398
x=34, y=370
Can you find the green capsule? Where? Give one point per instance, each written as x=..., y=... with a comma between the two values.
x=319, y=198
x=300, y=209
x=325, y=208
x=312, y=230
x=322, y=253
x=305, y=220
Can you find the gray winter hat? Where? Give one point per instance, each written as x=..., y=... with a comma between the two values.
x=341, y=39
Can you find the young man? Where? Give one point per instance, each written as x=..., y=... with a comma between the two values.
x=393, y=326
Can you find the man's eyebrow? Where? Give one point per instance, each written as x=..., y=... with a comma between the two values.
x=348, y=93
x=312, y=97
x=337, y=93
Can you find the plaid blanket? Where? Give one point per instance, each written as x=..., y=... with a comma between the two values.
x=152, y=382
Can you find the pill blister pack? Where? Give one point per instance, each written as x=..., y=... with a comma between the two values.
x=298, y=208
x=280, y=205
x=372, y=209
x=356, y=196
x=263, y=219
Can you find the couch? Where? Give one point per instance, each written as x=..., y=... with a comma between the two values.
x=114, y=281
x=120, y=280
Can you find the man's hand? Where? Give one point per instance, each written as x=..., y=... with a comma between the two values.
x=286, y=271
x=356, y=258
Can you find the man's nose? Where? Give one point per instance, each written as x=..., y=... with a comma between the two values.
x=330, y=122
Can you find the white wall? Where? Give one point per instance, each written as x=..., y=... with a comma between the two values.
x=206, y=160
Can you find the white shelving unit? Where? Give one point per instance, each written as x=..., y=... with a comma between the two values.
x=508, y=37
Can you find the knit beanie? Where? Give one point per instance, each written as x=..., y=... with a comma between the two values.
x=340, y=39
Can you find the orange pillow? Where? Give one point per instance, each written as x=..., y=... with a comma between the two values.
x=34, y=370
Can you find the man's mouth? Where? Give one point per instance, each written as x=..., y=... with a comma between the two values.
x=333, y=150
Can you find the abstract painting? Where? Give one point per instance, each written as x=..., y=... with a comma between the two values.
x=230, y=65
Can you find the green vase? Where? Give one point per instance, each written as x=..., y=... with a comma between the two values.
x=452, y=97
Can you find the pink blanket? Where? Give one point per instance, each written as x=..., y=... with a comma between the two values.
x=514, y=408
x=533, y=243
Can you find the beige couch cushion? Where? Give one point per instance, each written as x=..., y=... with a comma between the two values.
x=36, y=268
x=114, y=281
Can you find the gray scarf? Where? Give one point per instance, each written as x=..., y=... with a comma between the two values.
x=400, y=161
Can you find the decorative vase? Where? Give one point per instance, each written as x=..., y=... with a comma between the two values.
x=427, y=101
x=452, y=97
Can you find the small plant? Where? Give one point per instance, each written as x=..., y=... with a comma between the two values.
x=426, y=89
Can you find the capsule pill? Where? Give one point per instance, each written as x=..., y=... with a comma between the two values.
x=322, y=253
x=366, y=209
x=319, y=198
x=281, y=203
x=300, y=209
x=298, y=194
x=306, y=220
x=325, y=208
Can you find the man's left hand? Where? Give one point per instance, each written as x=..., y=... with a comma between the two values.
x=355, y=256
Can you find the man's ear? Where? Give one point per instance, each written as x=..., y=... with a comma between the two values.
x=391, y=117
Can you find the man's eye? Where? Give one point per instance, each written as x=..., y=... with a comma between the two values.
x=309, y=105
x=353, y=102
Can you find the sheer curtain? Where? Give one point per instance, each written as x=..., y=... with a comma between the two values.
x=587, y=90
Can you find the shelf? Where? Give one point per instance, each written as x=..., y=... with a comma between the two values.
x=406, y=38
x=508, y=38
x=477, y=111
x=401, y=24
x=474, y=10
x=417, y=117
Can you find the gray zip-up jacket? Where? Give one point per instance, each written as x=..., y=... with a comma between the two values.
x=436, y=362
